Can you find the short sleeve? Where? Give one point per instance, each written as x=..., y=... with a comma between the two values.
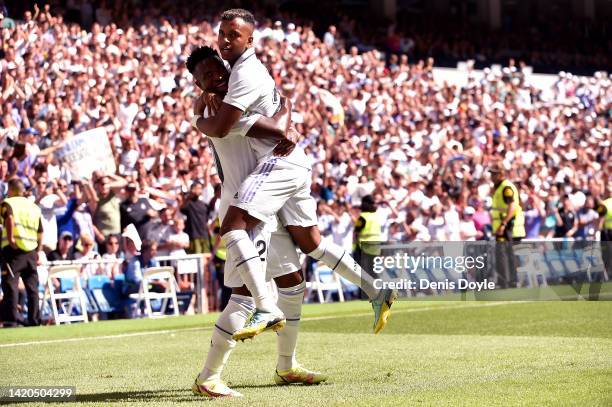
x=508, y=194
x=243, y=90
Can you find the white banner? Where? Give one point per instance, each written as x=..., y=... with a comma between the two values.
x=87, y=152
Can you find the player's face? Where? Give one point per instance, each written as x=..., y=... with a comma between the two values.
x=211, y=76
x=234, y=38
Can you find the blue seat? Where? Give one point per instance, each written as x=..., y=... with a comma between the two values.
x=97, y=281
x=106, y=295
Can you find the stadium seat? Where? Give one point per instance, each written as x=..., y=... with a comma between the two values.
x=325, y=280
x=348, y=288
x=73, y=302
x=104, y=294
x=146, y=296
x=531, y=269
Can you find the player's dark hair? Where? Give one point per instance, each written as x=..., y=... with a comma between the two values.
x=234, y=13
x=198, y=55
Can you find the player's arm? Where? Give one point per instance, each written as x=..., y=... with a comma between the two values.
x=220, y=124
x=274, y=127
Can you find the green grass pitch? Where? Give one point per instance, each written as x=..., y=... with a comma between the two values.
x=431, y=353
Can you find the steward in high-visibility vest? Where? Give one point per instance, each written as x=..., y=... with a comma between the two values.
x=506, y=213
x=26, y=219
x=368, y=227
x=508, y=226
x=604, y=209
x=21, y=240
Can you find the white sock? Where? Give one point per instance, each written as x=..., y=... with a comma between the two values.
x=233, y=317
x=290, y=302
x=246, y=259
x=340, y=261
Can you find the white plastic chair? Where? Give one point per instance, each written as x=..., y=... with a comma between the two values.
x=144, y=295
x=325, y=280
x=68, y=299
x=534, y=266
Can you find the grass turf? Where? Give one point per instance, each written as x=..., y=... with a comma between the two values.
x=432, y=353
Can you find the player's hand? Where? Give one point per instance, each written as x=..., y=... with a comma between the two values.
x=212, y=102
x=286, y=146
x=283, y=116
x=199, y=105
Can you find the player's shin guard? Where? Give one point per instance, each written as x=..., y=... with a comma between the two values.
x=342, y=262
x=233, y=317
x=290, y=302
x=246, y=259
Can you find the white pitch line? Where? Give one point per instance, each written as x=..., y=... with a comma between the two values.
x=172, y=331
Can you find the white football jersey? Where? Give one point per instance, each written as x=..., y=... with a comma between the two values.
x=252, y=90
x=234, y=157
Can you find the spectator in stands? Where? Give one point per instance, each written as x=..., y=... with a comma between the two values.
x=104, y=204
x=65, y=248
x=112, y=253
x=197, y=219
x=136, y=209
x=178, y=240
x=49, y=197
x=65, y=214
x=467, y=229
x=535, y=215
x=136, y=266
x=565, y=215
x=159, y=230
x=587, y=219
x=88, y=253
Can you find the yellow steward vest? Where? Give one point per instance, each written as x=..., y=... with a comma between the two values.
x=26, y=217
x=500, y=209
x=371, y=232
x=608, y=220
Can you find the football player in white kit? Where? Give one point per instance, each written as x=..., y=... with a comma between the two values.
x=278, y=185
x=235, y=160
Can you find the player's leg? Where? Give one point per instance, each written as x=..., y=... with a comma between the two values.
x=300, y=218
x=308, y=239
x=245, y=255
x=238, y=310
x=284, y=266
x=260, y=197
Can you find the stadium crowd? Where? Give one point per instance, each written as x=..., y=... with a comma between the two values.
x=373, y=124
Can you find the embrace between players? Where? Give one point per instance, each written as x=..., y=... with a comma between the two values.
x=266, y=207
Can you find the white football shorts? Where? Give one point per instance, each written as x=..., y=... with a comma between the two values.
x=276, y=249
x=278, y=186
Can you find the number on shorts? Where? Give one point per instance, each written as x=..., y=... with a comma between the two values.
x=261, y=246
